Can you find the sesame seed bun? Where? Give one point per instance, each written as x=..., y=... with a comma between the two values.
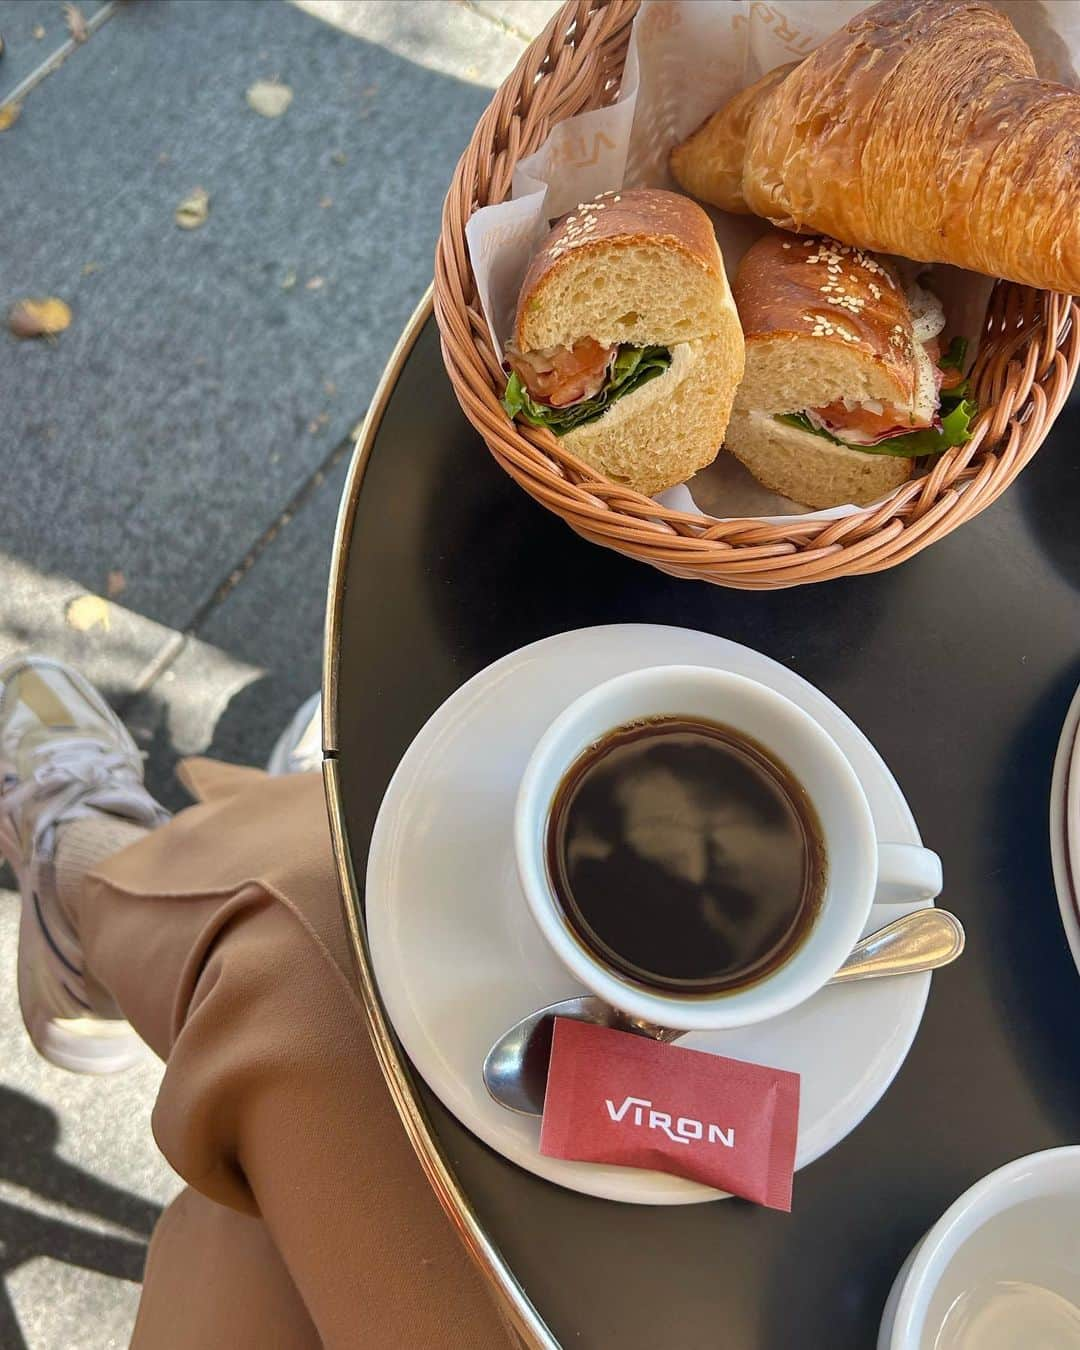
x=642, y=268
x=823, y=322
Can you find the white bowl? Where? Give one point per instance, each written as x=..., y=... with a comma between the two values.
x=1000, y=1270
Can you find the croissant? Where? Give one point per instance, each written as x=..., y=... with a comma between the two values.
x=921, y=129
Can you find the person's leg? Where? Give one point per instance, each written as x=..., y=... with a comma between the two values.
x=215, y=1279
x=219, y=936
x=272, y=1102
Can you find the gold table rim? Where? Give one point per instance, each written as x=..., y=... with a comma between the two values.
x=511, y=1298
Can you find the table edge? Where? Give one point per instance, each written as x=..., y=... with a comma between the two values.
x=512, y=1300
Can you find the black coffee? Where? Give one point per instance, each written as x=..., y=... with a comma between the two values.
x=685, y=856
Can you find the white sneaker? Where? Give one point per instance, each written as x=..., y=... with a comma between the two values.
x=64, y=755
x=299, y=747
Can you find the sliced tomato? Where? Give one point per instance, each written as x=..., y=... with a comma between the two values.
x=947, y=379
x=870, y=426
x=560, y=376
x=951, y=378
x=873, y=426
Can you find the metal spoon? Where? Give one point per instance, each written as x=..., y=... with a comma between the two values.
x=515, y=1070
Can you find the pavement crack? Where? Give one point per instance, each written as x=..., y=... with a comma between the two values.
x=300, y=497
x=504, y=25
x=179, y=640
x=159, y=664
x=57, y=58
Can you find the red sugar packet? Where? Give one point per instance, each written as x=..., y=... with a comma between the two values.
x=614, y=1097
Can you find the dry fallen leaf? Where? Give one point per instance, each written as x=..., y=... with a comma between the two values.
x=115, y=584
x=88, y=612
x=269, y=98
x=9, y=115
x=39, y=31
x=76, y=24
x=193, y=210
x=314, y=283
x=38, y=317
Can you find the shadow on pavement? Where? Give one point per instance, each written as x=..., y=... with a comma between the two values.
x=28, y=1159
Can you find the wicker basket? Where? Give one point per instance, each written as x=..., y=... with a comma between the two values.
x=1026, y=364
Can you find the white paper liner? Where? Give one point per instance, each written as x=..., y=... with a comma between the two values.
x=686, y=58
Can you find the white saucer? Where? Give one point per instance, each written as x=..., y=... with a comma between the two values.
x=459, y=959
x=1065, y=842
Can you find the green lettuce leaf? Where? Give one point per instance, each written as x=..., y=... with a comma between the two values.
x=953, y=357
x=955, y=429
x=957, y=413
x=632, y=367
x=803, y=422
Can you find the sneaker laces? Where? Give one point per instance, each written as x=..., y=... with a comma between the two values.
x=70, y=774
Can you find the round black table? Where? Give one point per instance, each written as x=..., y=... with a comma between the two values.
x=959, y=666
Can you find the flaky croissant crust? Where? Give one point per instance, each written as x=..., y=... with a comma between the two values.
x=920, y=128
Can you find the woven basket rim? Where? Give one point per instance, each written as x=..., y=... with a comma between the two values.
x=1028, y=357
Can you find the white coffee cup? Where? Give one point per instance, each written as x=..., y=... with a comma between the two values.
x=860, y=868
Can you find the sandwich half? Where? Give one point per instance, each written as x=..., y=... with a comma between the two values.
x=626, y=340
x=846, y=385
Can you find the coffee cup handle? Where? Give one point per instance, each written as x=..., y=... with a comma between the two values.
x=906, y=874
